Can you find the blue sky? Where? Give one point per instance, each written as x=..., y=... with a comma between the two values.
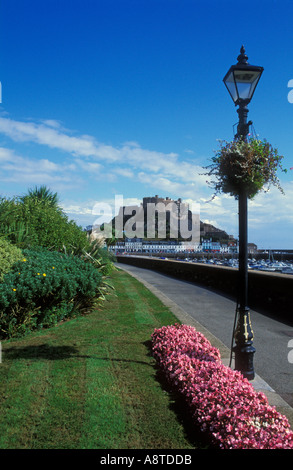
x=125, y=97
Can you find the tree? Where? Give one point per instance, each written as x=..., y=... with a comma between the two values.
x=43, y=195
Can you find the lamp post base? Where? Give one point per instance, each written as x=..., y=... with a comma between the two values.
x=243, y=349
x=244, y=360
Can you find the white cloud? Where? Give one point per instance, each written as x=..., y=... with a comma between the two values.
x=55, y=138
x=24, y=170
x=272, y=206
x=52, y=123
x=89, y=167
x=124, y=172
x=6, y=155
x=129, y=157
x=12, y=162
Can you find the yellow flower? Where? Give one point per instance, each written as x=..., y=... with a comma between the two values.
x=53, y=267
x=24, y=259
x=44, y=274
x=14, y=289
x=38, y=274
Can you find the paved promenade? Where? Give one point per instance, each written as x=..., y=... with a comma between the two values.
x=213, y=314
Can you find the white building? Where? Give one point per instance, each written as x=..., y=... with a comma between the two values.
x=138, y=245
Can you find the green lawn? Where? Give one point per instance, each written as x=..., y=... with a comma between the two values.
x=91, y=382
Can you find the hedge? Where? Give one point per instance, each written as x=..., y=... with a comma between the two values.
x=43, y=288
x=221, y=401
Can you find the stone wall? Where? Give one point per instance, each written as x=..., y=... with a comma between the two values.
x=268, y=292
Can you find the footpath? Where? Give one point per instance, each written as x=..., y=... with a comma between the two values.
x=214, y=307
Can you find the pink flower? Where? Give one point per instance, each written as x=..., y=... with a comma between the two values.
x=221, y=400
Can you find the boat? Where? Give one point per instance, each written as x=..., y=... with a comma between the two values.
x=287, y=270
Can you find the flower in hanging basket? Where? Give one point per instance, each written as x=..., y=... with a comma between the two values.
x=248, y=166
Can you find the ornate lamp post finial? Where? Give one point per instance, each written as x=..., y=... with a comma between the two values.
x=242, y=58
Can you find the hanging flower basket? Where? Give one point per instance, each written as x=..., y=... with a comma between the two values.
x=249, y=166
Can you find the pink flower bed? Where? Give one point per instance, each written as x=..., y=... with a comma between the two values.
x=221, y=401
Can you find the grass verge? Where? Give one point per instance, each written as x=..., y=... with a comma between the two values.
x=91, y=383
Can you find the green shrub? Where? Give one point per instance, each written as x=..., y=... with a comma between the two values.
x=103, y=260
x=100, y=257
x=43, y=288
x=30, y=221
x=9, y=255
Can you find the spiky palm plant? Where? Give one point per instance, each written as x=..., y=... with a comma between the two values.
x=41, y=194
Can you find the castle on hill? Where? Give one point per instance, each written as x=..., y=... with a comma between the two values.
x=206, y=230
x=138, y=228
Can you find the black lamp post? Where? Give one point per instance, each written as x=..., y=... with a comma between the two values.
x=241, y=80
